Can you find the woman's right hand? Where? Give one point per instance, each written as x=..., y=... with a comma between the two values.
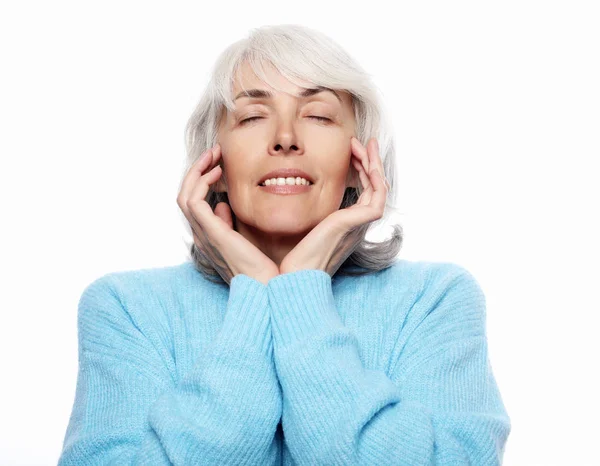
x=213, y=232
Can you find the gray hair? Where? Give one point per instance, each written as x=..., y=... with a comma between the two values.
x=299, y=52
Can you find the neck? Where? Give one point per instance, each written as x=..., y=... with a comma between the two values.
x=273, y=244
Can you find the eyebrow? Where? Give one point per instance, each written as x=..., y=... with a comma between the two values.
x=263, y=94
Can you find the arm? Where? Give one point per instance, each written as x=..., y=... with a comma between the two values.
x=129, y=410
x=439, y=405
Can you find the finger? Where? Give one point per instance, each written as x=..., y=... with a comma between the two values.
x=190, y=210
x=196, y=192
x=213, y=226
x=379, y=163
x=374, y=158
x=202, y=166
x=360, y=169
x=378, y=199
x=374, y=208
x=357, y=169
x=200, y=212
x=360, y=152
x=204, y=163
x=377, y=160
x=365, y=196
x=378, y=157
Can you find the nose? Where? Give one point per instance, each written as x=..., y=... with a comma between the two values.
x=285, y=143
x=285, y=148
x=285, y=140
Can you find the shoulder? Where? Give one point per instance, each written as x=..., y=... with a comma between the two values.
x=430, y=277
x=443, y=292
x=134, y=312
x=150, y=280
x=417, y=290
x=147, y=291
x=426, y=277
x=410, y=287
x=425, y=272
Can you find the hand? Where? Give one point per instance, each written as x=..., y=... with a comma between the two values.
x=230, y=253
x=330, y=243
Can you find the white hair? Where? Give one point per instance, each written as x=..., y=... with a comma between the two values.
x=298, y=52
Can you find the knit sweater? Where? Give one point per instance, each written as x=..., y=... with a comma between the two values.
x=390, y=368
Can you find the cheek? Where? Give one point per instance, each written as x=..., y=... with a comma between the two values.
x=338, y=164
x=235, y=160
x=334, y=185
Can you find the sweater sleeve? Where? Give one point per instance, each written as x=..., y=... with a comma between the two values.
x=129, y=410
x=439, y=404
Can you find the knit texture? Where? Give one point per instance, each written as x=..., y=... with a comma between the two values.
x=389, y=368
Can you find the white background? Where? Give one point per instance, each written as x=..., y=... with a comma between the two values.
x=496, y=112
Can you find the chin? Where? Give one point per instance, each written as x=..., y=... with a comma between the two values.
x=286, y=226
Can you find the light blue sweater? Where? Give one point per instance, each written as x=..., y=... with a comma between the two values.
x=390, y=368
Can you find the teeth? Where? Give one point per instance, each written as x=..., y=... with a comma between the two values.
x=286, y=181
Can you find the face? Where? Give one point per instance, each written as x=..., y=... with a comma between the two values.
x=285, y=134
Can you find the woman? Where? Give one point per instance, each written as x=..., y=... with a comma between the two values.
x=288, y=339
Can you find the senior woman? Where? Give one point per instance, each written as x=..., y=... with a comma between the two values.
x=288, y=338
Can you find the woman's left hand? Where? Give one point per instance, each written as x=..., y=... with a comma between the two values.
x=330, y=243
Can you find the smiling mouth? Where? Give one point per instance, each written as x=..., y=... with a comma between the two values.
x=286, y=188
x=306, y=183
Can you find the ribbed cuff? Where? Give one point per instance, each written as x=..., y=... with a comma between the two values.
x=247, y=320
x=302, y=306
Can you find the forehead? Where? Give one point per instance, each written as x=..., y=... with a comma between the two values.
x=245, y=79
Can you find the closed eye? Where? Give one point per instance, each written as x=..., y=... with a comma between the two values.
x=257, y=117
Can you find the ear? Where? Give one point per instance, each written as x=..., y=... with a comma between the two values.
x=220, y=185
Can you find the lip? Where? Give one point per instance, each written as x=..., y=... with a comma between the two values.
x=287, y=189
x=286, y=173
